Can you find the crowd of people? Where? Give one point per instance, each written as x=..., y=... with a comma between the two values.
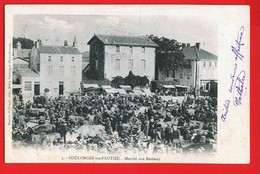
x=126, y=122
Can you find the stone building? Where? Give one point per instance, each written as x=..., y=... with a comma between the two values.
x=200, y=68
x=112, y=56
x=20, y=56
x=56, y=68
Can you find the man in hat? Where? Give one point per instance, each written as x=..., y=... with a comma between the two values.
x=63, y=130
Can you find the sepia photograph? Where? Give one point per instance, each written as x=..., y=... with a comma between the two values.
x=143, y=85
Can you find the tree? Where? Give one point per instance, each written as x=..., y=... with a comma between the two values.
x=131, y=80
x=169, y=54
x=25, y=43
x=118, y=80
x=91, y=74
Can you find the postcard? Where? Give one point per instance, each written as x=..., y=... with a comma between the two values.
x=127, y=84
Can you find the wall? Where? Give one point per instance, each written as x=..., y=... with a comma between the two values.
x=52, y=82
x=34, y=59
x=207, y=72
x=97, y=55
x=28, y=95
x=124, y=55
x=184, y=76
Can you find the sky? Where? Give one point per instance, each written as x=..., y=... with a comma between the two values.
x=54, y=29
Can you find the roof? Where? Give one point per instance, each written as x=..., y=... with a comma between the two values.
x=20, y=60
x=194, y=53
x=23, y=52
x=124, y=40
x=28, y=73
x=85, y=54
x=58, y=50
x=84, y=65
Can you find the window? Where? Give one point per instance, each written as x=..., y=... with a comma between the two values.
x=117, y=64
x=61, y=58
x=130, y=64
x=167, y=73
x=117, y=49
x=73, y=72
x=27, y=86
x=215, y=64
x=209, y=64
x=143, y=49
x=72, y=59
x=143, y=65
x=96, y=64
x=181, y=74
x=204, y=64
x=130, y=49
x=49, y=71
x=96, y=48
x=49, y=58
x=61, y=70
x=173, y=73
x=207, y=86
x=188, y=74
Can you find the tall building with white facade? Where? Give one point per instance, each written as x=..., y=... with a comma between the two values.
x=200, y=68
x=56, y=69
x=112, y=56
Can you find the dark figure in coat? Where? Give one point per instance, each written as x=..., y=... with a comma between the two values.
x=63, y=131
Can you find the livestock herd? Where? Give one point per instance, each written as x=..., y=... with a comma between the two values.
x=116, y=123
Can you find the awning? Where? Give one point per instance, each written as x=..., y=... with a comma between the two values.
x=180, y=86
x=16, y=86
x=147, y=92
x=106, y=87
x=138, y=92
x=90, y=86
x=111, y=90
x=169, y=86
x=121, y=91
x=125, y=87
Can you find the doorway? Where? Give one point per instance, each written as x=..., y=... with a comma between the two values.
x=37, y=88
x=61, y=88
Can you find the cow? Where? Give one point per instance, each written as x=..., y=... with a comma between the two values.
x=44, y=128
x=17, y=135
x=45, y=139
x=76, y=120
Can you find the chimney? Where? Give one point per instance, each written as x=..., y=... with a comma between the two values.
x=66, y=43
x=18, y=45
x=188, y=44
x=75, y=42
x=198, y=45
x=37, y=44
x=183, y=45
